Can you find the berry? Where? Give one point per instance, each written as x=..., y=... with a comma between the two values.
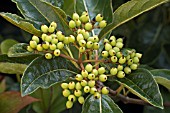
x=96, y=46
x=53, y=36
x=138, y=55
x=119, y=54
x=119, y=40
x=97, y=95
x=53, y=46
x=91, y=83
x=72, y=98
x=127, y=70
x=48, y=38
x=84, y=73
x=66, y=93
x=88, y=26
x=102, y=78
x=72, y=24
x=119, y=45
x=101, y=70
x=89, y=44
x=79, y=37
x=66, y=40
x=95, y=72
x=71, y=85
x=86, y=35
x=30, y=49
x=83, y=82
x=105, y=54
x=54, y=24
x=116, y=49
x=75, y=16
x=44, y=28
x=122, y=60
x=48, y=56
x=135, y=59
x=113, y=71
x=57, y=52
x=82, y=43
x=96, y=38
x=93, y=90
x=88, y=67
x=130, y=62
x=81, y=99
x=78, y=23
x=45, y=45
x=99, y=18
x=39, y=47
x=35, y=38
x=78, y=86
x=71, y=39
x=51, y=29
x=60, y=45
x=91, y=76
x=43, y=36
x=84, y=18
x=120, y=67
x=108, y=47
x=77, y=93
x=112, y=52
x=86, y=89
x=91, y=39
x=79, y=77
x=113, y=42
x=102, y=24
x=134, y=66
x=105, y=90
x=120, y=74
x=54, y=41
x=64, y=85
x=60, y=36
x=114, y=59
x=82, y=49
x=33, y=44
x=105, y=41
x=69, y=104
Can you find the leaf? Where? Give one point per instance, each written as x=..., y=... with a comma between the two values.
x=128, y=11
x=142, y=84
x=68, y=7
x=58, y=3
x=21, y=23
x=102, y=105
x=45, y=73
x=162, y=77
x=12, y=102
x=6, y=44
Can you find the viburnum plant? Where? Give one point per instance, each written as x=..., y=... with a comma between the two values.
x=72, y=53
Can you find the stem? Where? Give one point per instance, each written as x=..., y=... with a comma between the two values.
x=96, y=58
x=69, y=51
x=68, y=57
x=85, y=61
x=18, y=77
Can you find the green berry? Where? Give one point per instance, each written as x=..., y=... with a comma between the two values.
x=95, y=72
x=77, y=93
x=75, y=16
x=91, y=39
x=93, y=90
x=119, y=54
x=66, y=92
x=78, y=86
x=79, y=37
x=132, y=54
x=108, y=46
x=60, y=36
x=44, y=28
x=88, y=68
x=96, y=38
x=99, y=18
x=78, y=23
x=66, y=40
x=138, y=55
x=48, y=56
x=84, y=18
x=91, y=76
x=102, y=78
x=39, y=47
x=82, y=49
x=45, y=45
x=71, y=39
x=113, y=42
x=69, y=104
x=84, y=13
x=86, y=89
x=84, y=73
x=71, y=85
x=89, y=44
x=43, y=36
x=101, y=70
x=35, y=38
x=53, y=36
x=120, y=74
x=54, y=41
x=97, y=95
x=105, y=54
x=79, y=77
x=114, y=59
x=116, y=49
x=120, y=67
x=105, y=41
x=127, y=70
x=105, y=90
x=53, y=46
x=122, y=60
x=82, y=43
x=51, y=29
x=120, y=40
x=60, y=45
x=86, y=35
x=127, y=57
x=102, y=24
x=134, y=66
x=91, y=83
x=113, y=71
x=33, y=44
x=130, y=62
x=48, y=38
x=57, y=52
x=30, y=49
x=135, y=59
x=88, y=26
x=81, y=99
x=83, y=82
x=119, y=45
x=54, y=24
x=72, y=24
x=64, y=85
x=112, y=52
x=72, y=98
x=112, y=38
x=95, y=46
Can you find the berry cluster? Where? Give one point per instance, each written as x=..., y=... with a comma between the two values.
x=123, y=63
x=85, y=83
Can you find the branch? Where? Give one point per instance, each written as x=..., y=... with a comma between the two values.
x=68, y=57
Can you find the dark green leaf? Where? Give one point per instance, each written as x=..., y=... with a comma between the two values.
x=21, y=23
x=128, y=11
x=162, y=77
x=68, y=7
x=44, y=73
x=142, y=84
x=102, y=105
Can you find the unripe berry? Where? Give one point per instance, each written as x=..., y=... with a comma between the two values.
x=95, y=72
x=113, y=71
x=99, y=18
x=113, y=42
x=116, y=49
x=77, y=93
x=112, y=52
x=45, y=45
x=102, y=78
x=114, y=59
x=79, y=37
x=33, y=44
x=127, y=70
x=64, y=85
x=88, y=67
x=35, y=38
x=71, y=39
x=54, y=24
x=119, y=54
x=89, y=44
x=105, y=90
x=91, y=76
x=82, y=49
x=78, y=86
x=91, y=83
x=120, y=74
x=91, y=39
x=83, y=82
x=86, y=89
x=120, y=67
x=88, y=26
x=53, y=46
x=130, y=62
x=71, y=85
x=66, y=40
x=81, y=31
x=79, y=77
x=134, y=66
x=69, y=104
x=122, y=60
x=101, y=70
x=43, y=36
x=108, y=47
x=53, y=36
x=102, y=24
x=135, y=59
x=105, y=41
x=93, y=90
x=39, y=47
x=132, y=54
x=96, y=46
x=44, y=28
x=30, y=49
x=72, y=98
x=60, y=36
x=84, y=18
x=48, y=38
x=78, y=23
x=127, y=57
x=138, y=55
x=112, y=38
x=48, y=56
x=72, y=24
x=75, y=16
x=84, y=13
x=96, y=38
x=51, y=29
x=60, y=45
x=82, y=43
x=105, y=54
x=81, y=99
x=84, y=73
x=54, y=41
x=97, y=95
x=119, y=40
x=119, y=45
x=66, y=92
x=86, y=35
x=57, y=52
